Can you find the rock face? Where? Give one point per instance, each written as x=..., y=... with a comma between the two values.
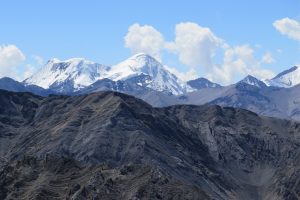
x=109, y=145
x=62, y=178
x=201, y=83
x=251, y=80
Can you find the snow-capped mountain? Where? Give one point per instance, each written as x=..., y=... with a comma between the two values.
x=144, y=77
x=67, y=76
x=251, y=80
x=287, y=78
x=201, y=83
x=77, y=73
x=160, y=79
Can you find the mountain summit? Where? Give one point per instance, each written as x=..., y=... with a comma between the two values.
x=251, y=80
x=67, y=76
x=201, y=83
x=142, y=64
x=74, y=74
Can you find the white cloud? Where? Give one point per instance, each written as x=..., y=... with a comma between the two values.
x=12, y=63
x=268, y=58
x=10, y=59
x=144, y=39
x=195, y=45
x=38, y=59
x=288, y=27
x=238, y=61
x=196, y=48
x=185, y=76
x=29, y=70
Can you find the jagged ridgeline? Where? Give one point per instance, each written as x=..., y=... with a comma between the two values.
x=146, y=78
x=109, y=145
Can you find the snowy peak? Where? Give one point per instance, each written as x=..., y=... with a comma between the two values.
x=74, y=74
x=201, y=83
x=251, y=80
x=53, y=60
x=143, y=59
x=71, y=74
x=287, y=78
x=142, y=64
x=73, y=64
x=138, y=64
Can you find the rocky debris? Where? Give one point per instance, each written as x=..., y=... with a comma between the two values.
x=63, y=178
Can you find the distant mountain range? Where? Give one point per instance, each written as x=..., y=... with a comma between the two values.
x=144, y=77
x=75, y=74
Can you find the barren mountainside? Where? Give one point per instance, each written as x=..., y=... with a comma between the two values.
x=109, y=145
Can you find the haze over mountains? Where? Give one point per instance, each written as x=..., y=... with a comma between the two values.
x=144, y=77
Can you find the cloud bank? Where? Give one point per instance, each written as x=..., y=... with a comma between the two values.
x=196, y=47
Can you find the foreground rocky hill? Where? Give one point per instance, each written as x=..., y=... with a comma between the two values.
x=110, y=145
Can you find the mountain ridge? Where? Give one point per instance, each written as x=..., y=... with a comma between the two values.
x=67, y=76
x=74, y=74
x=287, y=78
x=143, y=77
x=77, y=73
x=106, y=140
x=251, y=80
x=201, y=83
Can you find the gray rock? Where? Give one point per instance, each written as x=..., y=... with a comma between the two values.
x=109, y=145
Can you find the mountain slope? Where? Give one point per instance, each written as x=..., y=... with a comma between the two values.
x=287, y=78
x=67, y=76
x=249, y=93
x=75, y=74
x=15, y=86
x=63, y=178
x=110, y=145
x=267, y=101
x=201, y=83
x=251, y=80
x=160, y=79
x=133, y=87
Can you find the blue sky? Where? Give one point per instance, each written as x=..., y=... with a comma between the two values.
x=40, y=30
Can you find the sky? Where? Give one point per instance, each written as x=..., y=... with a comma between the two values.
x=220, y=40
